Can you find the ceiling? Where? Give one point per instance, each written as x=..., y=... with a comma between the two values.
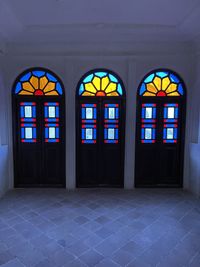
x=103, y=22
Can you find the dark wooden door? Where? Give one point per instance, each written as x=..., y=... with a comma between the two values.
x=159, y=142
x=39, y=141
x=100, y=142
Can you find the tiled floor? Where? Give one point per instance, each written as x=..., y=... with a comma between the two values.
x=103, y=228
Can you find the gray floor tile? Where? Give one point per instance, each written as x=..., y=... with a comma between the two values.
x=122, y=257
x=107, y=263
x=91, y=258
x=13, y=263
x=105, y=227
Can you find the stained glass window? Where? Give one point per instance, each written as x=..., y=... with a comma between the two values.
x=161, y=83
x=28, y=122
x=88, y=123
x=38, y=83
x=100, y=83
x=111, y=123
x=148, y=123
x=170, y=129
x=51, y=118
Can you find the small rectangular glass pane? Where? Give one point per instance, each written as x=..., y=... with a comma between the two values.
x=28, y=111
x=52, y=112
x=111, y=113
x=89, y=113
x=52, y=132
x=148, y=113
x=28, y=133
x=89, y=134
x=148, y=133
x=111, y=133
x=170, y=113
x=170, y=133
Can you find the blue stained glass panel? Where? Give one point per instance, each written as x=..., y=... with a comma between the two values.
x=51, y=77
x=59, y=88
x=113, y=78
x=119, y=89
x=88, y=78
x=162, y=74
x=142, y=89
x=26, y=77
x=100, y=74
x=149, y=78
x=180, y=89
x=38, y=73
x=174, y=78
x=81, y=89
x=18, y=88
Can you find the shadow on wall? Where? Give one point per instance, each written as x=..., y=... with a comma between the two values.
x=3, y=169
x=195, y=168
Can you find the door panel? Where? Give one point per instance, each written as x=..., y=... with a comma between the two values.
x=100, y=144
x=39, y=156
x=159, y=143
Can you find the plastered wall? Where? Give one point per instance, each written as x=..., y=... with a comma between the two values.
x=131, y=69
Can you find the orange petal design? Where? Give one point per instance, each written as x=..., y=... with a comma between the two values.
x=151, y=88
x=111, y=88
x=35, y=82
x=157, y=82
x=97, y=83
x=22, y=92
x=87, y=94
x=28, y=87
x=54, y=92
x=172, y=87
x=165, y=83
x=43, y=82
x=173, y=94
x=113, y=94
x=149, y=94
x=50, y=86
x=104, y=83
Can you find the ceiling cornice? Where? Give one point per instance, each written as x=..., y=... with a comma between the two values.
x=126, y=49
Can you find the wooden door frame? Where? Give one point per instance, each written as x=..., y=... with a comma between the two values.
x=182, y=101
x=15, y=120
x=97, y=99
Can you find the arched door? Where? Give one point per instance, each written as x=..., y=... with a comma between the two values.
x=160, y=130
x=100, y=112
x=39, y=129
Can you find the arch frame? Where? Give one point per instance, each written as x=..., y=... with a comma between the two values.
x=164, y=70
x=31, y=69
x=182, y=100
x=99, y=99
x=36, y=98
x=100, y=70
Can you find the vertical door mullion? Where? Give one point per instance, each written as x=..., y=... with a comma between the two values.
x=40, y=139
x=99, y=138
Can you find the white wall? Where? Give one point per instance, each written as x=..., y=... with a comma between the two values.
x=130, y=68
x=4, y=177
x=194, y=151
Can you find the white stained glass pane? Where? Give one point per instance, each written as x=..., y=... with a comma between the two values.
x=28, y=133
x=148, y=113
x=170, y=133
x=170, y=113
x=111, y=133
x=148, y=133
x=52, y=132
x=89, y=113
x=89, y=134
x=28, y=112
x=52, y=112
x=111, y=113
